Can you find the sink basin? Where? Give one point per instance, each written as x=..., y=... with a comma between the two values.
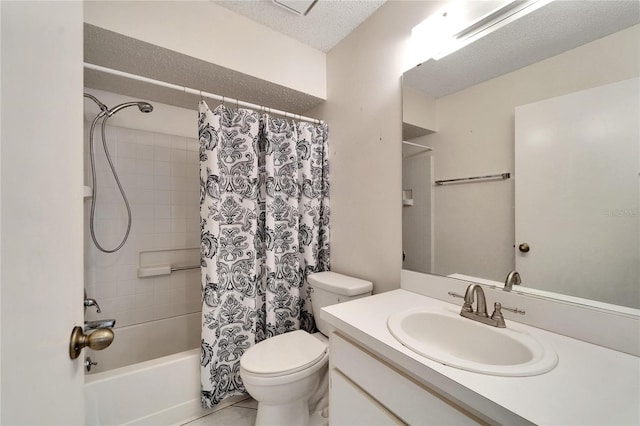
x=446, y=337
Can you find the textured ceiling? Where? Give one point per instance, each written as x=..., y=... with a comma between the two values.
x=116, y=51
x=548, y=31
x=323, y=27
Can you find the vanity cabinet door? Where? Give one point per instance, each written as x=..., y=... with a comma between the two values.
x=409, y=401
x=351, y=406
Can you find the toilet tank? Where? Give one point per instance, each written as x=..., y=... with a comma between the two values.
x=330, y=288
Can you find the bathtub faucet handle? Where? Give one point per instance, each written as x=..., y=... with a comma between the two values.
x=91, y=302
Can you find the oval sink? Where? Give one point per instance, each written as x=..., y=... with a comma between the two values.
x=450, y=339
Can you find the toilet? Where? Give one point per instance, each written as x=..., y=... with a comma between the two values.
x=286, y=374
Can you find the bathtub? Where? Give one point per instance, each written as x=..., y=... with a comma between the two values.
x=150, y=375
x=163, y=391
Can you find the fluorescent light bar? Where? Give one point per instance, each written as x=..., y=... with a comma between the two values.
x=461, y=22
x=299, y=7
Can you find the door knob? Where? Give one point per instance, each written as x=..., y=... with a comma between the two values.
x=524, y=248
x=98, y=340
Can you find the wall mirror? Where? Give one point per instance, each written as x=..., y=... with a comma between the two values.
x=542, y=115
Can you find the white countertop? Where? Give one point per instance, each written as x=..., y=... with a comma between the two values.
x=591, y=385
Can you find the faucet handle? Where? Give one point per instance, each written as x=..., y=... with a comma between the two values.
x=92, y=302
x=466, y=306
x=496, y=316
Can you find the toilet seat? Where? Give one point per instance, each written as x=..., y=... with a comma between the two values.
x=283, y=354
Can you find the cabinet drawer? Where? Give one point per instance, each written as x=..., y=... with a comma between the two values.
x=351, y=406
x=409, y=401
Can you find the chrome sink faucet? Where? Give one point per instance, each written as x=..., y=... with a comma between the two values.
x=474, y=292
x=512, y=278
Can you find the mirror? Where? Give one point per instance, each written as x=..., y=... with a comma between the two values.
x=548, y=106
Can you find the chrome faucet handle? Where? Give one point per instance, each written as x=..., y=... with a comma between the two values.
x=92, y=302
x=497, y=317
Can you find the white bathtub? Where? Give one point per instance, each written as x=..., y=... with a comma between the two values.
x=150, y=375
x=163, y=391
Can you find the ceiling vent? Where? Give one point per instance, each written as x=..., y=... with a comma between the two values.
x=299, y=7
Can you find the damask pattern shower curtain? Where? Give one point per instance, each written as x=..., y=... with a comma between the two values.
x=264, y=218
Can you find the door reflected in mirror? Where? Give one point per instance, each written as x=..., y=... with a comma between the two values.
x=554, y=106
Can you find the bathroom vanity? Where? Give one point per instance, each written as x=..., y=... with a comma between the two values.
x=377, y=380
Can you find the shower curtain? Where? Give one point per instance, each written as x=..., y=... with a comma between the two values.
x=264, y=218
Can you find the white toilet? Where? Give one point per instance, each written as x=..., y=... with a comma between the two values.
x=285, y=373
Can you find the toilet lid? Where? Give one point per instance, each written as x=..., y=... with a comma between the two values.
x=285, y=353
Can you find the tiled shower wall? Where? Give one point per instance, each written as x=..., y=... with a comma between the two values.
x=159, y=174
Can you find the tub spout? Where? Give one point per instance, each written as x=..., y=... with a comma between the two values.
x=93, y=325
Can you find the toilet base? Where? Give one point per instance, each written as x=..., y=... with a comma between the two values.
x=292, y=413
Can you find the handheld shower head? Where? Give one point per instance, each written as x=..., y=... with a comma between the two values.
x=142, y=106
x=145, y=107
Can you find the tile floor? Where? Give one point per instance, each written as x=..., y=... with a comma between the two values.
x=241, y=413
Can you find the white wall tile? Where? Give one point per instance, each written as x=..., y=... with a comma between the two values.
x=178, y=142
x=146, y=152
x=128, y=149
x=162, y=168
x=164, y=183
x=161, y=153
x=163, y=211
x=178, y=156
x=160, y=176
x=162, y=226
x=178, y=197
x=144, y=167
x=125, y=288
x=162, y=197
x=145, y=182
x=162, y=241
x=179, y=226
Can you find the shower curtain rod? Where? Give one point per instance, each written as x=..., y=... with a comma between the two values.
x=199, y=93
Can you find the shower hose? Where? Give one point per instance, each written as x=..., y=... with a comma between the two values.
x=94, y=195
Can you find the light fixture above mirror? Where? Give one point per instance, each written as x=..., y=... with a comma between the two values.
x=460, y=23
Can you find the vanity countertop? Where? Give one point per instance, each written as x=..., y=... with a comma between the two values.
x=591, y=385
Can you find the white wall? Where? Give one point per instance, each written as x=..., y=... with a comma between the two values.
x=474, y=232
x=41, y=199
x=207, y=31
x=364, y=113
x=418, y=109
